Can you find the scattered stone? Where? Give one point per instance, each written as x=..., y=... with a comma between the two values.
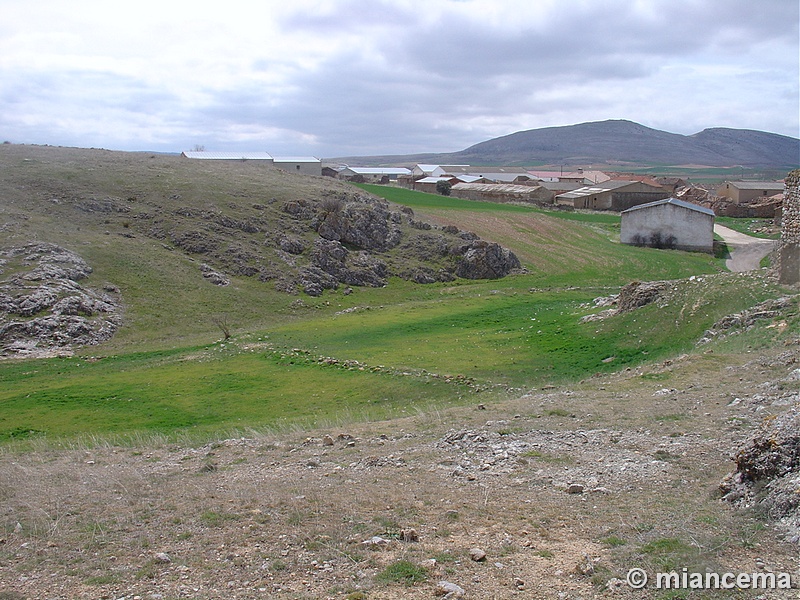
x=327, y=440
x=376, y=541
x=477, y=554
x=409, y=535
x=449, y=590
x=18, y=528
x=585, y=566
x=768, y=472
x=519, y=583
x=575, y=488
x=213, y=276
x=615, y=585
x=162, y=558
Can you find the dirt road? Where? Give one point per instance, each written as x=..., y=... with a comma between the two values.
x=746, y=251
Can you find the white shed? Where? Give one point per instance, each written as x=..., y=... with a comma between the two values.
x=669, y=223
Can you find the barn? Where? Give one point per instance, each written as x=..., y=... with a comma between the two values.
x=669, y=223
x=614, y=194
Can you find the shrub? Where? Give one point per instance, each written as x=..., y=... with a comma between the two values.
x=403, y=571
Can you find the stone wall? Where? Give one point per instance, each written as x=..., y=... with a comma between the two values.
x=789, y=257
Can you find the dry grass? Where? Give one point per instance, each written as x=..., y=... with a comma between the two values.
x=284, y=515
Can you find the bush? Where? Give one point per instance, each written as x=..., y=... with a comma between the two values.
x=443, y=187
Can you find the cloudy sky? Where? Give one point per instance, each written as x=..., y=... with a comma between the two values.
x=364, y=77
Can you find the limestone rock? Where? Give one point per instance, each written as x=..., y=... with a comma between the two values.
x=44, y=307
x=449, y=590
x=768, y=472
x=484, y=260
x=477, y=554
x=637, y=294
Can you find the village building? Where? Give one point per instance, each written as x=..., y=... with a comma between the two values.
x=669, y=223
x=612, y=195
x=490, y=174
x=428, y=184
x=743, y=192
x=424, y=170
x=203, y=155
x=585, y=177
x=307, y=165
x=502, y=192
x=373, y=174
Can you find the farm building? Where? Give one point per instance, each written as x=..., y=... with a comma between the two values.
x=203, y=155
x=428, y=184
x=584, y=177
x=422, y=170
x=669, y=223
x=612, y=195
x=306, y=165
x=502, y=192
x=742, y=192
x=490, y=174
x=373, y=174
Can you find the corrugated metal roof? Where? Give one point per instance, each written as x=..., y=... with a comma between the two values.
x=228, y=155
x=380, y=170
x=600, y=188
x=675, y=202
x=433, y=179
x=297, y=159
x=581, y=192
x=501, y=188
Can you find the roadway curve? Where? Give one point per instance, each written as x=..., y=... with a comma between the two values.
x=746, y=250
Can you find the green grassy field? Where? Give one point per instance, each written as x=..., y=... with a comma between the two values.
x=300, y=360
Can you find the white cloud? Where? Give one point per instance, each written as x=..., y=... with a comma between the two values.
x=370, y=77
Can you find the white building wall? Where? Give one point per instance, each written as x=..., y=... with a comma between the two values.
x=692, y=230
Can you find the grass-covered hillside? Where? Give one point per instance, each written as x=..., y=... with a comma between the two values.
x=146, y=224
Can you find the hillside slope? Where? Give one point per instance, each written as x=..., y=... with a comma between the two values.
x=620, y=142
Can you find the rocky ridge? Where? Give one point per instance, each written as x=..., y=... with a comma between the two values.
x=320, y=243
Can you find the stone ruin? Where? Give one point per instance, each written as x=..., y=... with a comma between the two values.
x=789, y=254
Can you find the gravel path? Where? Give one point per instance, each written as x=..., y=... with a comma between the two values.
x=746, y=251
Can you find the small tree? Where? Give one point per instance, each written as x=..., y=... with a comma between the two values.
x=221, y=321
x=443, y=187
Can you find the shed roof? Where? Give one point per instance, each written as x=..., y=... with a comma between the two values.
x=500, y=188
x=297, y=159
x=379, y=170
x=599, y=188
x=757, y=185
x=674, y=202
x=203, y=155
x=432, y=179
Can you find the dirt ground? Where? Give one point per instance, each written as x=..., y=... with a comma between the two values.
x=564, y=489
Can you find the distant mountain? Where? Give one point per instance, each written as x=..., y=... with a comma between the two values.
x=621, y=143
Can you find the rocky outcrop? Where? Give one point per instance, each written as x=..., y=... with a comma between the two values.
x=312, y=244
x=484, y=260
x=768, y=472
x=637, y=294
x=368, y=225
x=43, y=308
